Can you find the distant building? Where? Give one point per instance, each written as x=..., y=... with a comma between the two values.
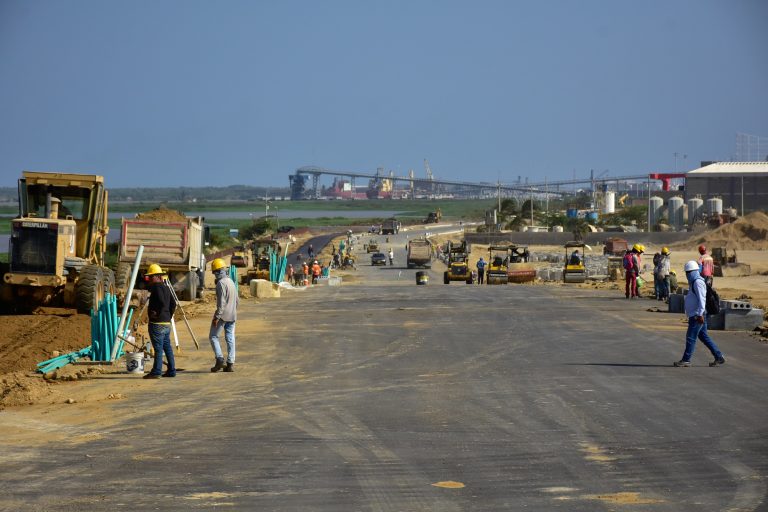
x=732, y=182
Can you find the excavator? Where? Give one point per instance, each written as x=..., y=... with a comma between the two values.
x=58, y=243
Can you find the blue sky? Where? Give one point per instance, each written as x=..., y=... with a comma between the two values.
x=195, y=93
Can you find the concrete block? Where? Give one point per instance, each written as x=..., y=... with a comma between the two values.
x=676, y=303
x=264, y=289
x=716, y=322
x=742, y=319
x=735, y=304
x=334, y=281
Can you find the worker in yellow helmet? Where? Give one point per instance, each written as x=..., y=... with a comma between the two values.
x=160, y=311
x=224, y=317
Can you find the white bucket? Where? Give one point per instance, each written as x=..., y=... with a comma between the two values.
x=134, y=362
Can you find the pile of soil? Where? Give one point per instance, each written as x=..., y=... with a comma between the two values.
x=162, y=214
x=26, y=340
x=747, y=233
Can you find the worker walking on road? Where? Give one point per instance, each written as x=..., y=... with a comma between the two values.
x=224, y=317
x=706, y=265
x=316, y=270
x=661, y=273
x=161, y=308
x=696, y=310
x=480, y=270
x=391, y=255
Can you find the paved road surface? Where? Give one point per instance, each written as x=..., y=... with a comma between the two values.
x=389, y=396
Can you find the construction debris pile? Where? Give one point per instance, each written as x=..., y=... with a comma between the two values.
x=747, y=233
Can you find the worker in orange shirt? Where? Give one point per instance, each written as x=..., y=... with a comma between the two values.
x=305, y=270
x=316, y=270
x=706, y=265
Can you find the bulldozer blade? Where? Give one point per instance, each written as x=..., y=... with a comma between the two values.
x=733, y=270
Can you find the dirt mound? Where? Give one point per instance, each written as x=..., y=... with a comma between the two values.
x=747, y=233
x=162, y=214
x=25, y=340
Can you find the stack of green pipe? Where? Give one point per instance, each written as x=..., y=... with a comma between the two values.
x=104, y=328
x=233, y=277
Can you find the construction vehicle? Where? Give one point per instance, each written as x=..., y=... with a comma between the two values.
x=519, y=269
x=260, y=249
x=171, y=240
x=390, y=227
x=458, y=263
x=433, y=217
x=615, y=246
x=57, y=243
x=239, y=257
x=419, y=253
x=728, y=265
x=575, y=270
x=498, y=265
x=372, y=246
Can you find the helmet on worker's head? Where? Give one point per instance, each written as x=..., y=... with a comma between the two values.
x=665, y=250
x=217, y=264
x=314, y=262
x=638, y=248
x=702, y=249
x=691, y=265
x=672, y=273
x=154, y=270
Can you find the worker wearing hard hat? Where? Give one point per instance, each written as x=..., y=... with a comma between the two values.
x=661, y=275
x=224, y=317
x=696, y=311
x=160, y=312
x=706, y=265
x=631, y=264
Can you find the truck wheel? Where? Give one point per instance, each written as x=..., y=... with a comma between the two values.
x=190, y=293
x=445, y=278
x=109, y=282
x=89, y=290
x=122, y=278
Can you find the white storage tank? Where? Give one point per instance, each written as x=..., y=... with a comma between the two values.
x=714, y=206
x=656, y=209
x=675, y=214
x=695, y=210
x=610, y=202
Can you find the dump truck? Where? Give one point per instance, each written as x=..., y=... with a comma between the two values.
x=458, y=264
x=727, y=265
x=390, y=227
x=57, y=244
x=171, y=240
x=615, y=246
x=419, y=253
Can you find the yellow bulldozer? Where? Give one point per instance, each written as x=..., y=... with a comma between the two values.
x=458, y=263
x=260, y=250
x=58, y=243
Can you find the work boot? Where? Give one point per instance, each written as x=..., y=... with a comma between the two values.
x=720, y=360
x=682, y=363
x=230, y=367
x=219, y=365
